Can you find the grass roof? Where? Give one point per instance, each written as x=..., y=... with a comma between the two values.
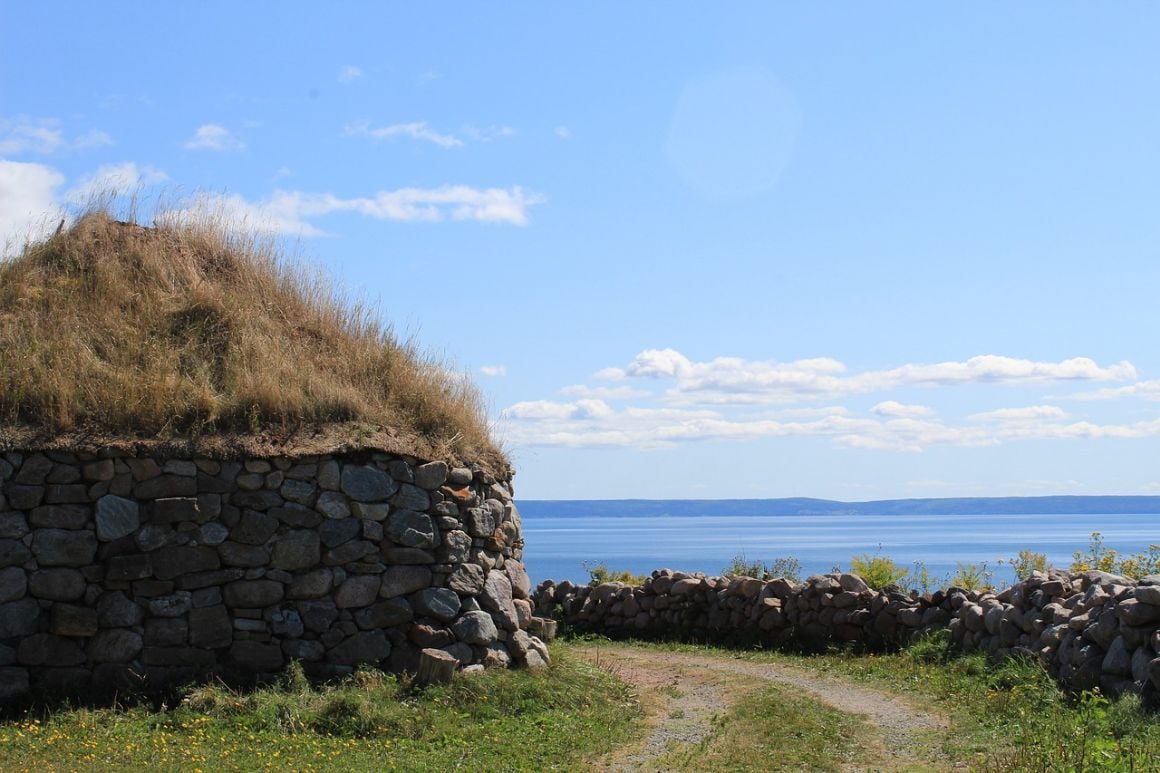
x=187, y=333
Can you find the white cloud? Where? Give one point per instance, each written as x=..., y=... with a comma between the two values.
x=1028, y=413
x=1146, y=390
x=282, y=213
x=540, y=410
x=735, y=381
x=603, y=393
x=416, y=130
x=349, y=73
x=493, y=370
x=43, y=136
x=212, y=136
x=610, y=374
x=896, y=409
x=990, y=367
x=290, y=212
x=487, y=133
x=659, y=363
x=113, y=179
x=725, y=399
x=28, y=206
x=93, y=138
x=563, y=132
x=595, y=423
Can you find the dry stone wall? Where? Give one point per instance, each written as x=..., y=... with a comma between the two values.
x=1090, y=629
x=120, y=572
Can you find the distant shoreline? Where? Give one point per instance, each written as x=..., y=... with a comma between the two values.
x=1046, y=505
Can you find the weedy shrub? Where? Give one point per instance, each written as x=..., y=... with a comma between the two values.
x=1025, y=563
x=878, y=571
x=786, y=567
x=741, y=567
x=600, y=573
x=971, y=576
x=1105, y=559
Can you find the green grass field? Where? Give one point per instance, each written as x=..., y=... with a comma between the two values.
x=513, y=720
x=1008, y=717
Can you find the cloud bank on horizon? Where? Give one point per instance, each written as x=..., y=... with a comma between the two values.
x=729, y=398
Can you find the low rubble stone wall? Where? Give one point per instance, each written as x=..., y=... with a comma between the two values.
x=126, y=572
x=1089, y=629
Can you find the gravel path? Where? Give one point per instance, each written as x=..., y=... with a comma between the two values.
x=682, y=693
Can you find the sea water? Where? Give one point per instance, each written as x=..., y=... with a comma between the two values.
x=560, y=547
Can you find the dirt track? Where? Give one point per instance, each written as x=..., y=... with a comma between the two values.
x=682, y=694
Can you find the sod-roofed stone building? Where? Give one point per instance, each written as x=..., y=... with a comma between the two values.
x=210, y=467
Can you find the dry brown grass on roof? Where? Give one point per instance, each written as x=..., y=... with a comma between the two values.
x=187, y=330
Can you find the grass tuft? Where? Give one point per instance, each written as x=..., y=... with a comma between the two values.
x=191, y=328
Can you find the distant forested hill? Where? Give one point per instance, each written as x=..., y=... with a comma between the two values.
x=1110, y=505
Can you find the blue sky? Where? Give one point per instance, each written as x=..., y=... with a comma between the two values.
x=774, y=250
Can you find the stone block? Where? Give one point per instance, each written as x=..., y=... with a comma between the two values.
x=253, y=594
x=59, y=517
x=358, y=591
x=412, y=529
x=296, y=550
x=497, y=599
x=257, y=500
x=364, y=647
x=440, y=603
x=467, y=579
x=116, y=610
x=116, y=517
x=131, y=567
x=334, y=532
x=475, y=628
x=57, y=584
x=431, y=476
x=24, y=497
x=263, y=657
x=43, y=649
x=317, y=615
x=35, y=469
x=402, y=580
x=254, y=528
x=297, y=516
x=71, y=620
x=333, y=504
x=64, y=547
x=13, y=584
x=171, y=510
x=166, y=632
x=172, y=562
x=385, y=614
x=72, y=493
x=367, y=483
x=480, y=522
x=455, y=547
x=19, y=618
x=172, y=605
x=311, y=585
x=13, y=525
x=100, y=470
x=349, y=551
x=13, y=683
x=245, y=556
x=407, y=556
x=165, y=487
